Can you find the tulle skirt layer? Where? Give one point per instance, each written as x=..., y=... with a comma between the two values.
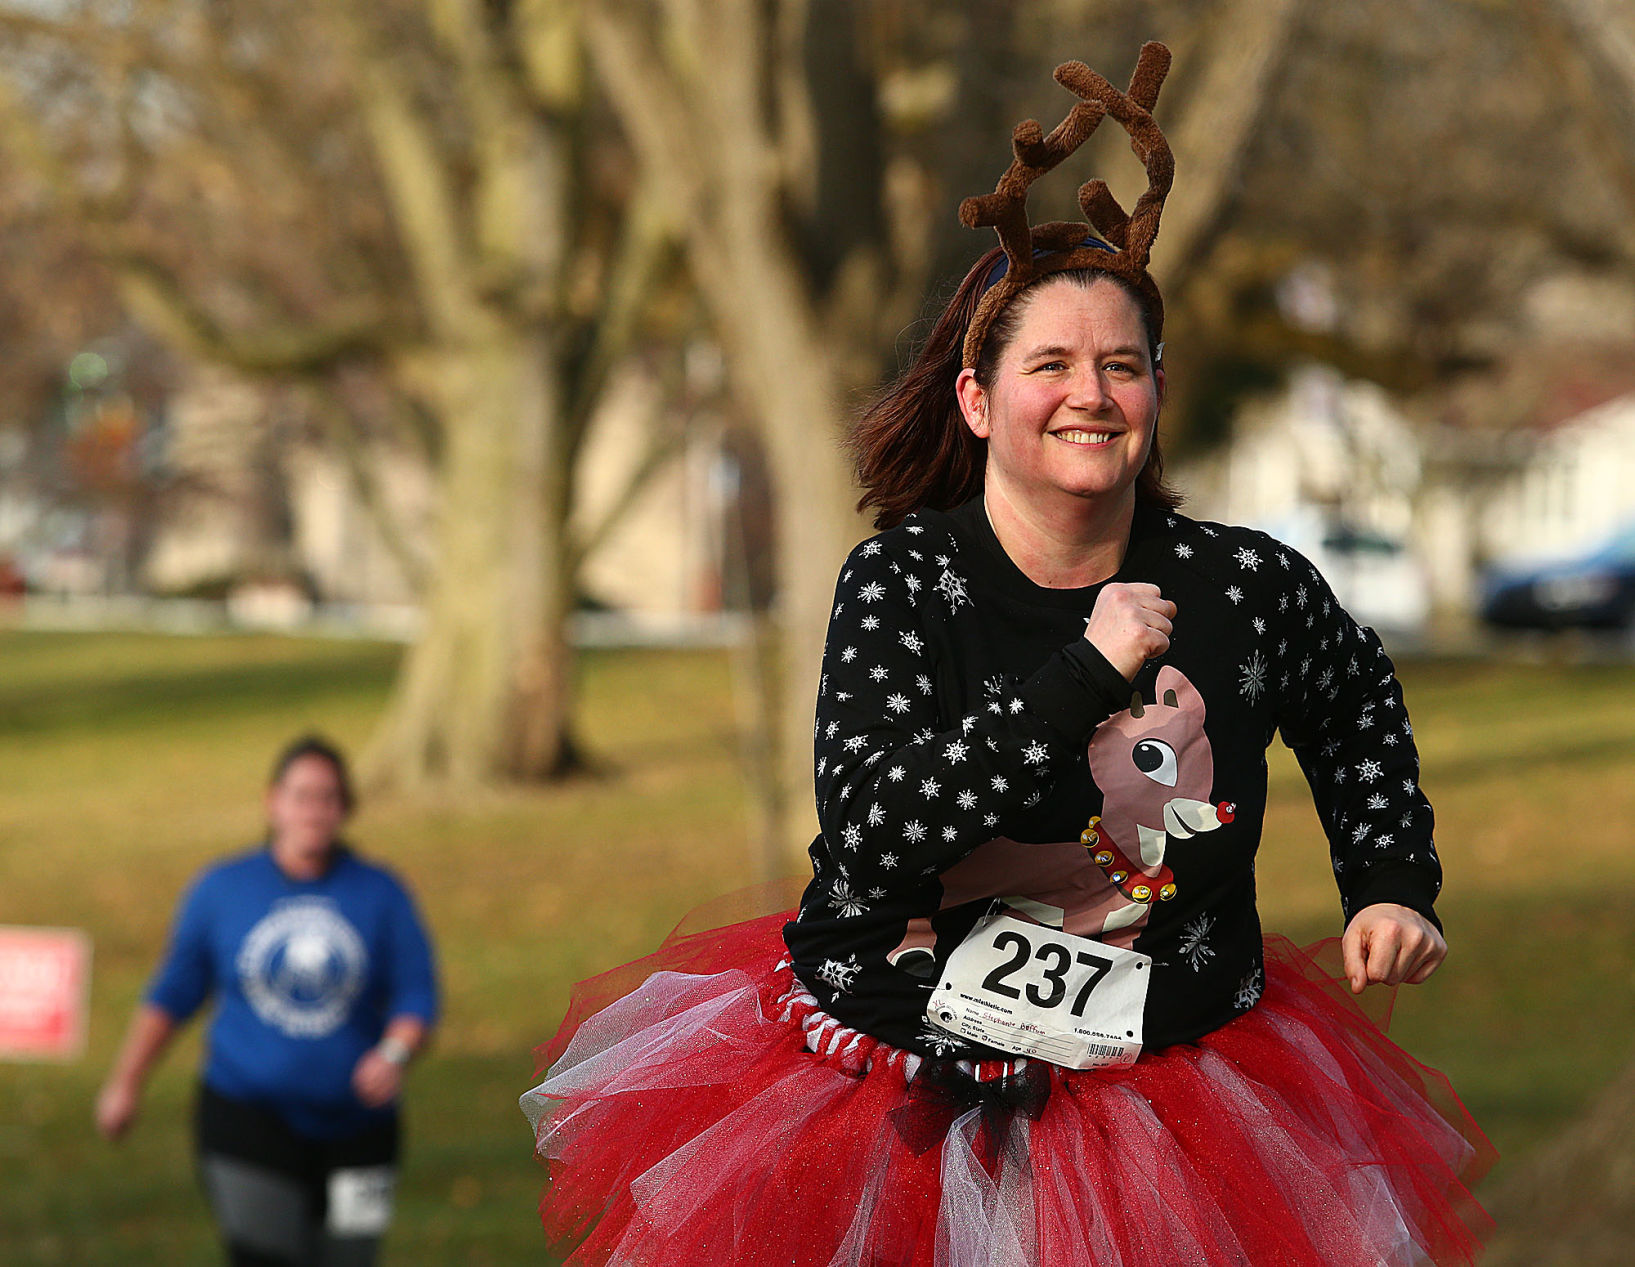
x=712, y=1113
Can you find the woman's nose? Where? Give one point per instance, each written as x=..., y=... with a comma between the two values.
x=1088, y=392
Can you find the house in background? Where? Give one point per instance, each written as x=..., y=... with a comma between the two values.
x=1331, y=467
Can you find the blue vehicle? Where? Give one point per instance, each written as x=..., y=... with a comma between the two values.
x=1593, y=591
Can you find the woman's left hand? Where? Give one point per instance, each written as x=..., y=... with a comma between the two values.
x=1387, y=944
x=376, y=1079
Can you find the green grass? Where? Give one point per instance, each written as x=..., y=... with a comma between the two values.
x=126, y=762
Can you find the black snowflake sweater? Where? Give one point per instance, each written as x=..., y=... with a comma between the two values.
x=967, y=735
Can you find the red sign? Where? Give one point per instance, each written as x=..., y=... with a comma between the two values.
x=44, y=978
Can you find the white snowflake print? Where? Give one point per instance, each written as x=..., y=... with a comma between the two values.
x=888, y=860
x=870, y=623
x=994, y=686
x=952, y=588
x=878, y=673
x=848, y=655
x=1283, y=559
x=857, y=743
x=1259, y=624
x=1195, y=947
x=911, y=640
x=1359, y=833
x=852, y=834
x=999, y=783
x=831, y=730
x=939, y=1041
x=955, y=752
x=915, y=529
x=896, y=774
x=871, y=548
x=897, y=703
x=1015, y=706
x=913, y=583
x=1253, y=680
x=1377, y=801
x=1249, y=989
x=1032, y=800
x=876, y=815
x=1300, y=597
x=990, y=820
x=941, y=560
x=924, y=683
x=1235, y=594
x=1207, y=530
x=1183, y=550
x=929, y=787
x=838, y=608
x=1385, y=841
x=1370, y=770
x=1034, y=753
x=950, y=833
x=1325, y=679
x=848, y=904
x=873, y=592
x=1409, y=786
x=914, y=831
x=967, y=724
x=966, y=799
x=839, y=976
x=843, y=696
x=1247, y=558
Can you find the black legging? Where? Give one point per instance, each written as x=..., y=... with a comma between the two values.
x=282, y=1199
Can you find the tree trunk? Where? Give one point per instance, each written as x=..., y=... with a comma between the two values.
x=486, y=692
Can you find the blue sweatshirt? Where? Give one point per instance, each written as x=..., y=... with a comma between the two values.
x=305, y=975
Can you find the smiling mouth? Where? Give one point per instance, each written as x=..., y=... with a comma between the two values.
x=1090, y=438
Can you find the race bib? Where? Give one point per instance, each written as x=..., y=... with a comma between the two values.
x=360, y=1200
x=1040, y=992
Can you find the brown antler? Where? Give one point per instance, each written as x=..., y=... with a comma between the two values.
x=1132, y=234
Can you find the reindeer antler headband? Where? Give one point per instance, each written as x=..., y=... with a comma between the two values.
x=1030, y=253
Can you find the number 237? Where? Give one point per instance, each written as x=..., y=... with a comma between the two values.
x=1056, y=975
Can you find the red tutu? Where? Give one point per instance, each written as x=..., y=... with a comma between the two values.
x=713, y=1113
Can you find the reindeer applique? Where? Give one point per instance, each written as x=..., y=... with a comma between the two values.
x=1155, y=770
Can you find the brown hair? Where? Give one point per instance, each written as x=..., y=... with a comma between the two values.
x=316, y=746
x=912, y=448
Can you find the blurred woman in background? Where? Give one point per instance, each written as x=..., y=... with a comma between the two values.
x=325, y=989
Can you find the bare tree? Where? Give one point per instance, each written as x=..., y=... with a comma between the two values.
x=416, y=189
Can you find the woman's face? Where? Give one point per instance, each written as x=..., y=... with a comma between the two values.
x=1074, y=400
x=305, y=808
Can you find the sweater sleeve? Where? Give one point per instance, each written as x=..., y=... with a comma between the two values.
x=186, y=975
x=1342, y=714
x=904, y=789
x=413, y=978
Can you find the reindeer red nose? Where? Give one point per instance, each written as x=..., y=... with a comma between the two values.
x=1226, y=811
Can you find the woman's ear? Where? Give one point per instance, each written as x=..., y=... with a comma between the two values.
x=973, y=403
x=1158, y=377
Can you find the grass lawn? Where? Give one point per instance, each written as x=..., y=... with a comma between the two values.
x=126, y=762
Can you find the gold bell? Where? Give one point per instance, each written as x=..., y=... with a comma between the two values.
x=1089, y=836
x=1167, y=892
x=1141, y=893
x=1118, y=877
x=1103, y=857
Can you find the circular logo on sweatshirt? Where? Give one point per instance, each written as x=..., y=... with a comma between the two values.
x=302, y=967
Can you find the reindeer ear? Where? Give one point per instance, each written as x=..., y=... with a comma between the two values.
x=1176, y=691
x=1138, y=706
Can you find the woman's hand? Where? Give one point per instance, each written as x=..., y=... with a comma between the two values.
x=1130, y=624
x=116, y=1108
x=376, y=1079
x=1389, y=944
